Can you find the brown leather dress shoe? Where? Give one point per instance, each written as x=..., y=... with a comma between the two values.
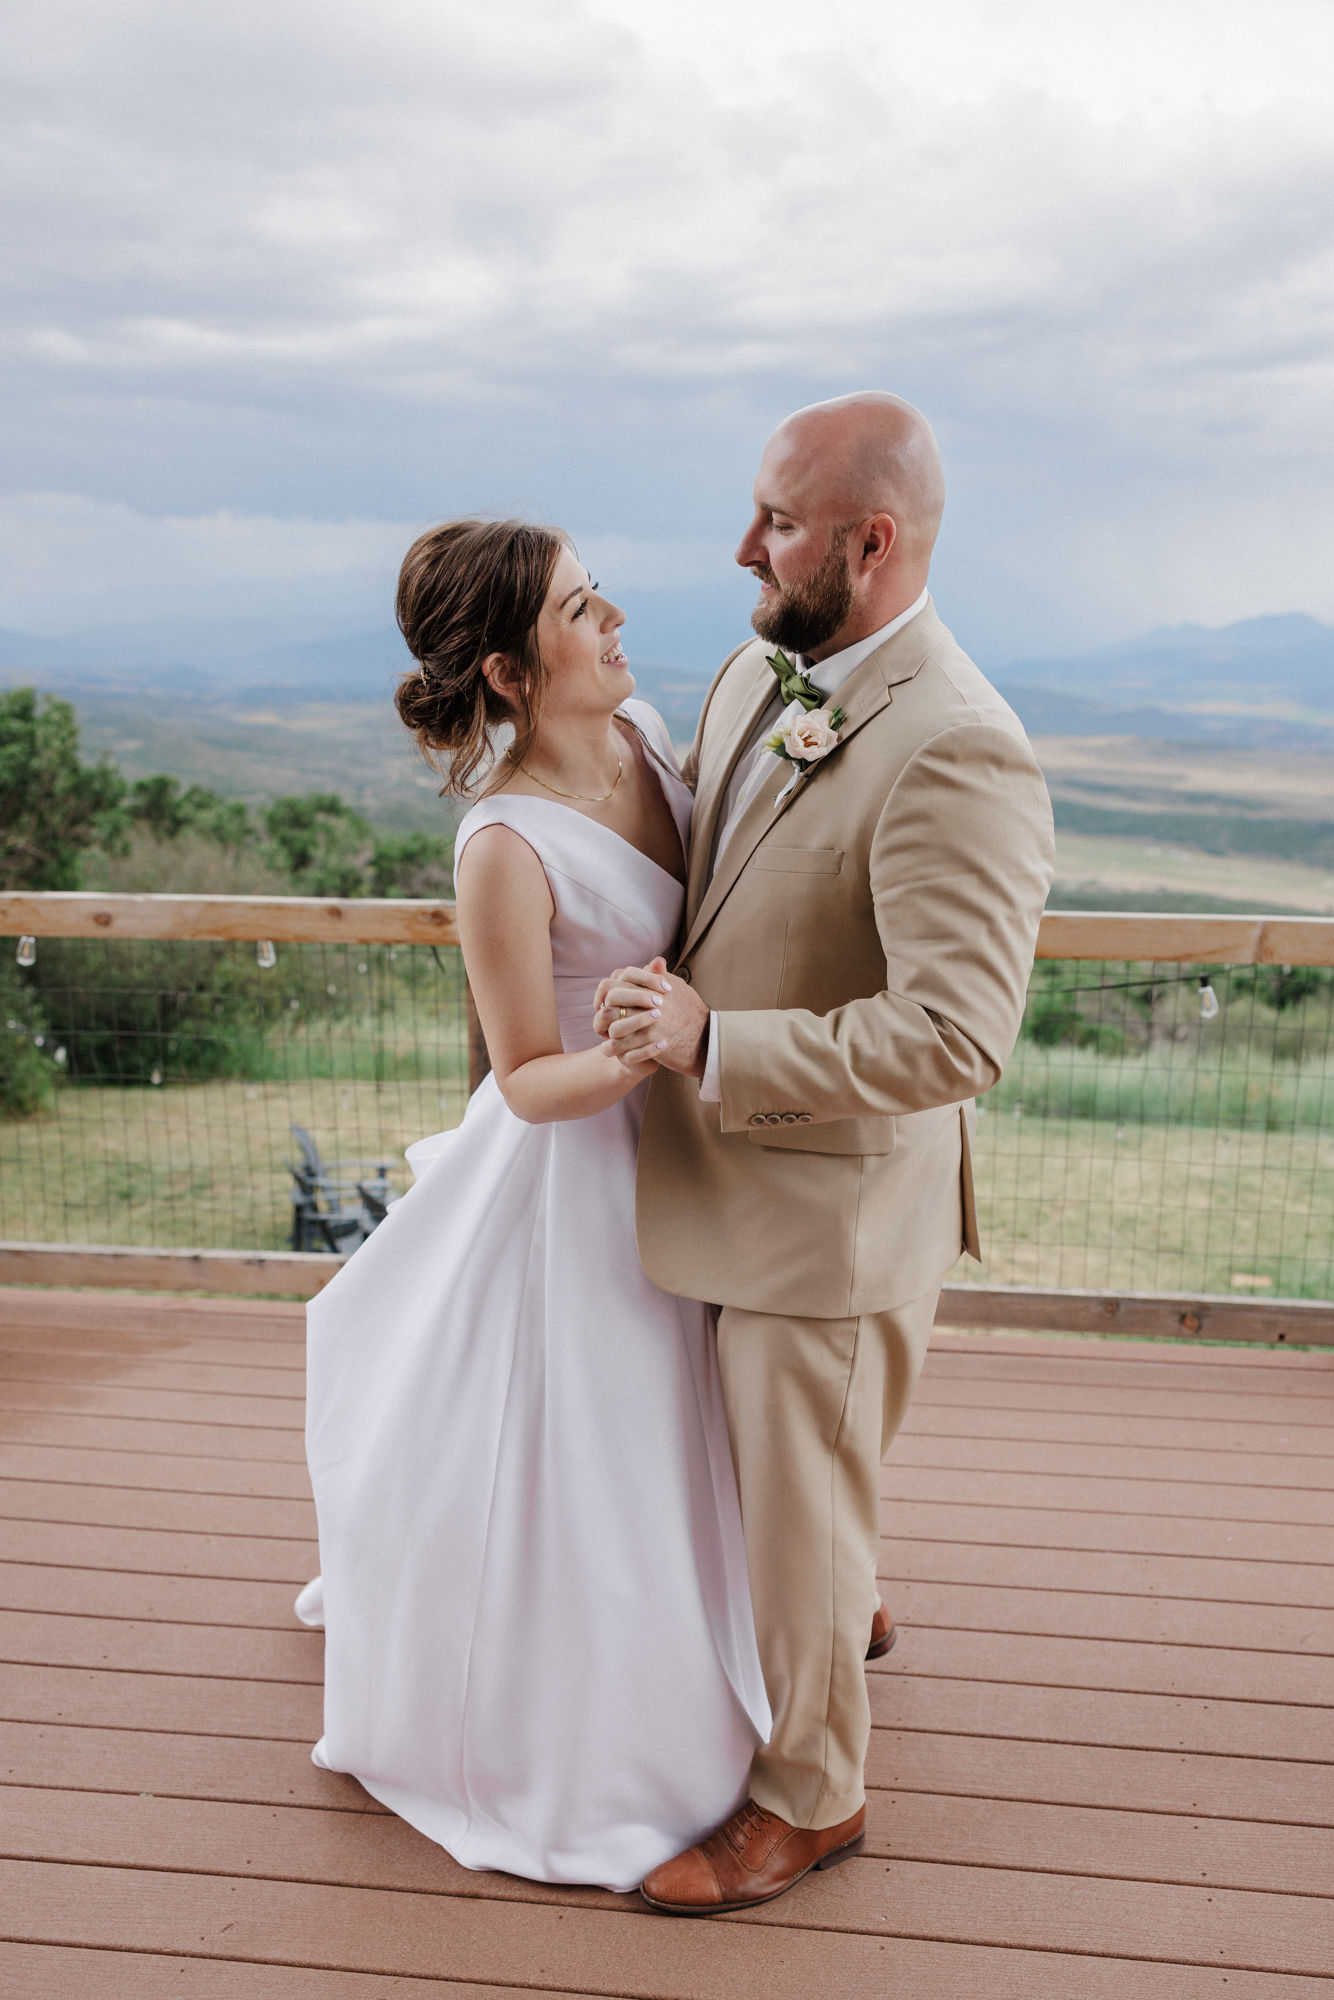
x=753, y=1858
x=883, y=1634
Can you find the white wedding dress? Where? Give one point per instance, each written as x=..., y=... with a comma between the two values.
x=539, y=1644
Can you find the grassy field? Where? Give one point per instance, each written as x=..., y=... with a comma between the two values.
x=1065, y=1201
x=1259, y=794
x=1188, y=777
x=1213, y=1090
x=197, y=1165
x=1088, y=1204
x=1104, y=862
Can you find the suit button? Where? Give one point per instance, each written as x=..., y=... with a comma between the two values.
x=789, y=1117
x=773, y=1118
x=683, y=972
x=757, y=1118
x=803, y=1118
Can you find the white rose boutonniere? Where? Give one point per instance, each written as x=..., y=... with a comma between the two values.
x=808, y=736
x=806, y=732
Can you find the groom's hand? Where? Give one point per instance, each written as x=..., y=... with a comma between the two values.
x=647, y=1016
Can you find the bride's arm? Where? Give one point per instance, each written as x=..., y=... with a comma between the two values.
x=504, y=911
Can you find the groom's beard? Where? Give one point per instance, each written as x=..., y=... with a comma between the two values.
x=807, y=614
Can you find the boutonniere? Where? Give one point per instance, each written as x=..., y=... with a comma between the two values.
x=807, y=731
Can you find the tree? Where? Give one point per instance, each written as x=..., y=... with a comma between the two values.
x=321, y=842
x=52, y=805
x=166, y=811
x=410, y=864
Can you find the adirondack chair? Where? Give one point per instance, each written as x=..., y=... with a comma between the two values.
x=332, y=1208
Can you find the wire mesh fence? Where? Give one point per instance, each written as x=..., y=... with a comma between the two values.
x=1164, y=1128
x=1160, y=1127
x=175, y=1072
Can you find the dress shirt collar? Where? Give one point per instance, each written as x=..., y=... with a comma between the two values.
x=829, y=675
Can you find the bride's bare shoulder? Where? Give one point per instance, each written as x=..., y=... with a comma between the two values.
x=497, y=865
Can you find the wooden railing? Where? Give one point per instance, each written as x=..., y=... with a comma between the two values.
x=1065, y=934
x=1092, y=934
x=247, y=919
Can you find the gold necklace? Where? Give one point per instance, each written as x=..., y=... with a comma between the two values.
x=585, y=798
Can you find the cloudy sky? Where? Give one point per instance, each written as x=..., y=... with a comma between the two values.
x=285, y=280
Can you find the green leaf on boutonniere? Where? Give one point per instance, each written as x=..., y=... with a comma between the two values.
x=793, y=685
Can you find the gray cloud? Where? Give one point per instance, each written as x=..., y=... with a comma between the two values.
x=338, y=267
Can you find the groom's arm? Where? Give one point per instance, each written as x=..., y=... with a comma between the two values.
x=960, y=866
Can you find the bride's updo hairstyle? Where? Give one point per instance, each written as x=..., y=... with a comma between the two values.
x=466, y=590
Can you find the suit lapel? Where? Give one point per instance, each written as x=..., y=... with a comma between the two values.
x=709, y=801
x=762, y=813
x=866, y=691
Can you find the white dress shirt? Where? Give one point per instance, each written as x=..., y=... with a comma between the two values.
x=753, y=767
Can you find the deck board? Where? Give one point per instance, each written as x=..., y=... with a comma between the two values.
x=158, y=1507
x=1104, y=1888
x=1103, y=1754
x=202, y=1441
x=1084, y=1492
x=1121, y=1429
x=210, y=1377
x=45, y=1972
x=175, y=1600
x=595, y=1951
x=960, y=1518
x=1110, y=1573
x=154, y=1471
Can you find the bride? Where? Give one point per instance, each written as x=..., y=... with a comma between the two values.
x=539, y=1645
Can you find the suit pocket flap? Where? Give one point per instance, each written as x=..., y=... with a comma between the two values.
x=797, y=860
x=840, y=1135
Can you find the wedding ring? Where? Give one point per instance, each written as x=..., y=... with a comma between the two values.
x=623, y=1013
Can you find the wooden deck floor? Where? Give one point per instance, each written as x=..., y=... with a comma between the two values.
x=1103, y=1764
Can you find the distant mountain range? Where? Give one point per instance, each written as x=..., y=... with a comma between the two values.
x=221, y=659
x=1288, y=659
x=1261, y=681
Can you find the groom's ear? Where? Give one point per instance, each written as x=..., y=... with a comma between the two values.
x=877, y=537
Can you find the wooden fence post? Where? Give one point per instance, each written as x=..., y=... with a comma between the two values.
x=479, y=1062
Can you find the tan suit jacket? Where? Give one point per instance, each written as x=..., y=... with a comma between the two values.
x=867, y=946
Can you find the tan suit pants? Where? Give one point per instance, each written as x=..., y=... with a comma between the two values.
x=813, y=1405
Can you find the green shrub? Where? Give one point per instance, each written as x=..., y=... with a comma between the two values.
x=153, y=1011
x=411, y=864
x=321, y=842
x=1282, y=987
x=26, y=1054
x=1168, y=1085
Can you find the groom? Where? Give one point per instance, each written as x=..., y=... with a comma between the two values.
x=860, y=923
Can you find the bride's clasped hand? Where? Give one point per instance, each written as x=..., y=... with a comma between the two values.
x=648, y=1018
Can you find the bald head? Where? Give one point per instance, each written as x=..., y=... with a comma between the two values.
x=857, y=477
x=869, y=453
